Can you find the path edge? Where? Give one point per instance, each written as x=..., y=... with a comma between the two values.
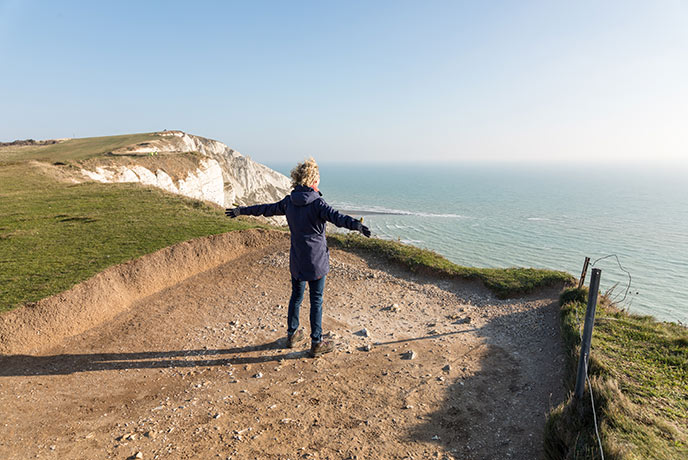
x=36, y=326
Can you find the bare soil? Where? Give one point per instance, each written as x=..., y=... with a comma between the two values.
x=199, y=370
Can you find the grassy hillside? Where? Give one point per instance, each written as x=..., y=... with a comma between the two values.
x=639, y=377
x=72, y=149
x=54, y=234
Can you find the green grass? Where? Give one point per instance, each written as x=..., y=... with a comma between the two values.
x=639, y=375
x=504, y=282
x=73, y=149
x=54, y=235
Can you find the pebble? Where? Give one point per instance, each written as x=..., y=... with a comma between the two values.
x=259, y=375
x=409, y=355
x=447, y=368
x=138, y=455
x=367, y=347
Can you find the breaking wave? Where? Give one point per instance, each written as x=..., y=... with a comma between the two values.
x=348, y=208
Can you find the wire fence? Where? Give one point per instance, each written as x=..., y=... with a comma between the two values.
x=585, y=353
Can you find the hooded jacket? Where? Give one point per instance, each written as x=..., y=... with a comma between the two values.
x=307, y=214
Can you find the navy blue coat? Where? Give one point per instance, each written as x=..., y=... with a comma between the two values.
x=307, y=213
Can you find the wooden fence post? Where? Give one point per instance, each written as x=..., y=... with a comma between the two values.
x=587, y=333
x=584, y=272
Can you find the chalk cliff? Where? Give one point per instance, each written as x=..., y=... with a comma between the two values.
x=214, y=172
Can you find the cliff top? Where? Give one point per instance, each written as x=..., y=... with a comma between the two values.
x=168, y=345
x=77, y=149
x=203, y=354
x=71, y=149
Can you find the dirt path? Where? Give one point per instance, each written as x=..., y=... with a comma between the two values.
x=198, y=371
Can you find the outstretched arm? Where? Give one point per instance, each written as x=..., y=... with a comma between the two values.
x=266, y=210
x=330, y=214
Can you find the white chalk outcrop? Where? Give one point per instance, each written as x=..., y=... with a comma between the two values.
x=224, y=176
x=205, y=183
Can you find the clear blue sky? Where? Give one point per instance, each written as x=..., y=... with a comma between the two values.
x=357, y=81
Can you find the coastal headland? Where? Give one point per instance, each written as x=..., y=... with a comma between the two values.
x=138, y=320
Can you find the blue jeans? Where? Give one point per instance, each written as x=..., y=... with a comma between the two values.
x=316, y=289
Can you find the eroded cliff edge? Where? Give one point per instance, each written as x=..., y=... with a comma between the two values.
x=192, y=166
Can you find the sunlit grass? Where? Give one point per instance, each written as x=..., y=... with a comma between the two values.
x=54, y=235
x=504, y=282
x=639, y=375
x=72, y=149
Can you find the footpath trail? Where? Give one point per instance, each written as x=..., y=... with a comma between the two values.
x=199, y=371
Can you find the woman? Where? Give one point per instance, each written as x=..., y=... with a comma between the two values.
x=309, y=259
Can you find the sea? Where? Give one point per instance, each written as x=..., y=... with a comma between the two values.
x=631, y=221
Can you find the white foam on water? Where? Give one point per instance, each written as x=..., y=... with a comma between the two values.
x=353, y=208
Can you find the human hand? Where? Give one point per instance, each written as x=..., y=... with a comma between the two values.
x=365, y=231
x=232, y=212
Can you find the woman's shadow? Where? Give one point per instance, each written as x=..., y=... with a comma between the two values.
x=26, y=365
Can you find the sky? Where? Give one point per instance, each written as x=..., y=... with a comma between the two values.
x=585, y=82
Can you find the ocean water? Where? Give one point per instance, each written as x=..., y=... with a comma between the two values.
x=545, y=217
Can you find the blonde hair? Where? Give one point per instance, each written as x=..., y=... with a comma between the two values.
x=305, y=173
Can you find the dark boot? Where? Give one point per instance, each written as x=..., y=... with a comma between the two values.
x=320, y=348
x=295, y=338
